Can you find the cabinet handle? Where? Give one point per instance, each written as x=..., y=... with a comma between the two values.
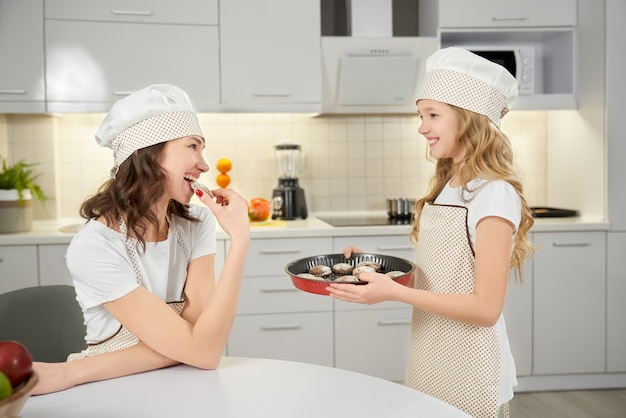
x=278, y=289
x=272, y=94
x=280, y=327
x=508, y=18
x=281, y=251
x=394, y=247
x=571, y=244
x=12, y=91
x=122, y=93
x=1, y=259
x=132, y=12
x=394, y=322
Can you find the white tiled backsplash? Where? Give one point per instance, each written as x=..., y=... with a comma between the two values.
x=353, y=162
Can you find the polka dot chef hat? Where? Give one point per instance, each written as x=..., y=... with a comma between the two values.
x=458, y=77
x=155, y=114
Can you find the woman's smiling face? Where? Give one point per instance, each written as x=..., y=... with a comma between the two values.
x=440, y=127
x=183, y=161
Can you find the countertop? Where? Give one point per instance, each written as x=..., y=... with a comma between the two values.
x=50, y=232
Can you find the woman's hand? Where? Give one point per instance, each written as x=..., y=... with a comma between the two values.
x=53, y=377
x=230, y=210
x=380, y=288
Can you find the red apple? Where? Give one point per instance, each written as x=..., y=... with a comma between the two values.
x=15, y=361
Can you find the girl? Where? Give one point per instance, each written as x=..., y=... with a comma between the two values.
x=469, y=229
x=143, y=264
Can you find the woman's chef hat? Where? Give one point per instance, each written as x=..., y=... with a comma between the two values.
x=155, y=114
x=458, y=77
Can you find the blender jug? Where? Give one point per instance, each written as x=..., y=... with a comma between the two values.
x=288, y=200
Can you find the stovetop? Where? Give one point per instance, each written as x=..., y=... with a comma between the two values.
x=364, y=220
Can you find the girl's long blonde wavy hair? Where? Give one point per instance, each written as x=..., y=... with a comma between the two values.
x=488, y=154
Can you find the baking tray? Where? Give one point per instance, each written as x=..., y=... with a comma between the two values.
x=548, y=212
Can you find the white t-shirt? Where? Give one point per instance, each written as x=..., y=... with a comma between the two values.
x=491, y=198
x=102, y=271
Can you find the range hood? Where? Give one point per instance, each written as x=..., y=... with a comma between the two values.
x=372, y=71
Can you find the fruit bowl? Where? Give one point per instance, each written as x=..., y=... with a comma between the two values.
x=387, y=263
x=12, y=406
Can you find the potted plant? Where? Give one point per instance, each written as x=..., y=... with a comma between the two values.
x=17, y=191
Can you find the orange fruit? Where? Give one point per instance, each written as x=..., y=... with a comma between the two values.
x=223, y=180
x=224, y=165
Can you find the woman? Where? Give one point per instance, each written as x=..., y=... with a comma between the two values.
x=143, y=265
x=470, y=229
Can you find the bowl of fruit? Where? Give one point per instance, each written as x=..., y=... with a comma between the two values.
x=17, y=377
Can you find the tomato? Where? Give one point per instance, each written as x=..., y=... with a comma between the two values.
x=259, y=209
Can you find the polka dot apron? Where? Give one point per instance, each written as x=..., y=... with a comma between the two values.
x=123, y=338
x=452, y=361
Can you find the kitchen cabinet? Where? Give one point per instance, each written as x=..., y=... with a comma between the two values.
x=274, y=319
x=96, y=55
x=374, y=339
x=569, y=301
x=616, y=302
x=270, y=55
x=22, y=55
x=518, y=317
x=52, y=266
x=506, y=13
x=550, y=29
x=18, y=267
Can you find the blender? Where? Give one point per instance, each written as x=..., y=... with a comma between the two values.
x=288, y=200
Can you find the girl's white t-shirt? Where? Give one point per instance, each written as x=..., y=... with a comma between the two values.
x=101, y=268
x=490, y=198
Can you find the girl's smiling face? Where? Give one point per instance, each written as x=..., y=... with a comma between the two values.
x=440, y=127
x=183, y=162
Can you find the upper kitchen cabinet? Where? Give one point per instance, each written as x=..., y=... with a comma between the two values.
x=546, y=31
x=98, y=52
x=270, y=55
x=506, y=13
x=21, y=52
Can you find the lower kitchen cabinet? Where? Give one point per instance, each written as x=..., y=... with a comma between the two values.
x=616, y=302
x=569, y=293
x=304, y=337
x=373, y=341
x=52, y=266
x=18, y=267
x=518, y=317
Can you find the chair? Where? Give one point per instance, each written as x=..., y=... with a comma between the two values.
x=45, y=319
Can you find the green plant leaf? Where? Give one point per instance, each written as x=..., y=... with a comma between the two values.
x=21, y=176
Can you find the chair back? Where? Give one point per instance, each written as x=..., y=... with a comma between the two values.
x=45, y=319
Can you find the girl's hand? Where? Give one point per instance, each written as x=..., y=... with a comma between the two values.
x=380, y=288
x=230, y=210
x=348, y=251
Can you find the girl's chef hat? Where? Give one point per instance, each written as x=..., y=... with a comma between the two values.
x=155, y=114
x=458, y=77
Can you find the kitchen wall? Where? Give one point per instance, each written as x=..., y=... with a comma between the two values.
x=353, y=162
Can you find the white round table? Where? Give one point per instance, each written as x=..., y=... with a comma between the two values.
x=242, y=388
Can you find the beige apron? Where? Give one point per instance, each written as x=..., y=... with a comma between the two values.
x=455, y=362
x=123, y=338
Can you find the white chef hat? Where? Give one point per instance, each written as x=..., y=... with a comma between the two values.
x=458, y=77
x=155, y=114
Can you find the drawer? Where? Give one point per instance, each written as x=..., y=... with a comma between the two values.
x=198, y=12
x=278, y=295
x=361, y=337
x=306, y=337
x=52, y=265
x=267, y=257
x=18, y=267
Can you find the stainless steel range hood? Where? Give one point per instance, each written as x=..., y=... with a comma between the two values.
x=372, y=71
x=373, y=75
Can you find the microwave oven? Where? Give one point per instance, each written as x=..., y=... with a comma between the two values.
x=520, y=61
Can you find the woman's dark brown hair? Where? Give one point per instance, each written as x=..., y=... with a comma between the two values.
x=137, y=186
